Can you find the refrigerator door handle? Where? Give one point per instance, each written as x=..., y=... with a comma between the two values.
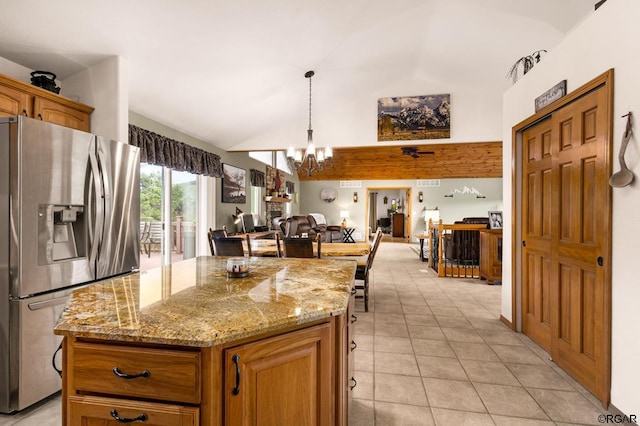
x=95, y=197
x=34, y=306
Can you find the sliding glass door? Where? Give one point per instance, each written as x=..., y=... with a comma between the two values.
x=168, y=215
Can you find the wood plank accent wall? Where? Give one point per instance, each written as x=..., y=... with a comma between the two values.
x=453, y=160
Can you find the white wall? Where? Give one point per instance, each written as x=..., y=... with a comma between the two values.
x=475, y=117
x=104, y=86
x=14, y=70
x=607, y=39
x=451, y=209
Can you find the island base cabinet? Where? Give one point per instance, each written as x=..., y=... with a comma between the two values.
x=98, y=411
x=281, y=380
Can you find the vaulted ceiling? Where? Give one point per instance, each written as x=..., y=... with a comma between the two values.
x=231, y=72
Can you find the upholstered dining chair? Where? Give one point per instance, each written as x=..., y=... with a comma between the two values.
x=300, y=247
x=228, y=247
x=215, y=233
x=362, y=271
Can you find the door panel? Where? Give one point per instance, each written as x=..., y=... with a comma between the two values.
x=32, y=347
x=52, y=169
x=538, y=227
x=120, y=241
x=566, y=228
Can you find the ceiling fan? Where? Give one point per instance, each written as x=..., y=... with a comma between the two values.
x=413, y=151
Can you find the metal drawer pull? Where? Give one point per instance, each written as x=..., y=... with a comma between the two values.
x=141, y=418
x=355, y=383
x=236, y=390
x=24, y=112
x=353, y=291
x=122, y=375
x=354, y=345
x=40, y=117
x=353, y=318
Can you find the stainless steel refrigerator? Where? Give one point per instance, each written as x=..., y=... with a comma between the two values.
x=69, y=215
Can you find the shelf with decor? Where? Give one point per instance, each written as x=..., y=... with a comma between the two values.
x=270, y=199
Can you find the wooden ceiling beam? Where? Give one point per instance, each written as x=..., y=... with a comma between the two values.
x=454, y=160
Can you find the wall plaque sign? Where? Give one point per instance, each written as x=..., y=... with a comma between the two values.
x=551, y=95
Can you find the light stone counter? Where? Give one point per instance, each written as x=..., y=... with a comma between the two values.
x=193, y=303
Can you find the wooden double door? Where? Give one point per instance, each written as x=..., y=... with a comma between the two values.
x=566, y=234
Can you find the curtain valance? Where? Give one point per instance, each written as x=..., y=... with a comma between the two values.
x=162, y=151
x=290, y=186
x=257, y=178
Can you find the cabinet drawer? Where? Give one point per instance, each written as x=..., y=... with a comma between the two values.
x=171, y=375
x=91, y=410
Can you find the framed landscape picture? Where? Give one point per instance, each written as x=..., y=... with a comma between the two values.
x=414, y=117
x=234, y=189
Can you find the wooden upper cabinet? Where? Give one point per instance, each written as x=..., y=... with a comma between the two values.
x=19, y=98
x=55, y=112
x=14, y=101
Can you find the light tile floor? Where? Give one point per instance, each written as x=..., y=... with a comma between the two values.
x=432, y=351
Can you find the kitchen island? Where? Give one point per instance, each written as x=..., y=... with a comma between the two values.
x=186, y=345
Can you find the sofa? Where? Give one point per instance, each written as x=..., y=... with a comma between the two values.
x=331, y=233
x=311, y=224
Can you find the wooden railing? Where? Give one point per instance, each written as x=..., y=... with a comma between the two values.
x=454, y=249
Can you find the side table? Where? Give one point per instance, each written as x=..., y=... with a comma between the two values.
x=347, y=234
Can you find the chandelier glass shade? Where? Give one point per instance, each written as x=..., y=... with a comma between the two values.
x=312, y=159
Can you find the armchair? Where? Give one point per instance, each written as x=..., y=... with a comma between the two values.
x=330, y=233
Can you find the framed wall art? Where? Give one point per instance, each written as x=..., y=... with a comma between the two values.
x=495, y=220
x=414, y=117
x=328, y=195
x=234, y=189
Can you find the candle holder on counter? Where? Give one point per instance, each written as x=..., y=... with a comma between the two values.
x=237, y=267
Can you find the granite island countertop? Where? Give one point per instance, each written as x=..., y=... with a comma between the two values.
x=194, y=303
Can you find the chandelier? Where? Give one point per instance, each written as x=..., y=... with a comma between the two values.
x=314, y=159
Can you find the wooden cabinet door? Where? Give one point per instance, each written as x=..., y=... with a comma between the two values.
x=398, y=224
x=281, y=380
x=14, y=102
x=345, y=362
x=351, y=383
x=491, y=255
x=54, y=112
x=97, y=411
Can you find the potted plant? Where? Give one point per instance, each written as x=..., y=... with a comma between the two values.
x=527, y=64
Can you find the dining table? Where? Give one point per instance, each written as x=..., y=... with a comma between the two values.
x=359, y=251
x=254, y=235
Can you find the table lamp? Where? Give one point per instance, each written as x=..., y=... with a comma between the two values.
x=344, y=214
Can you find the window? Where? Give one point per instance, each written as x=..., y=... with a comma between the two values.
x=257, y=204
x=265, y=157
x=281, y=162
